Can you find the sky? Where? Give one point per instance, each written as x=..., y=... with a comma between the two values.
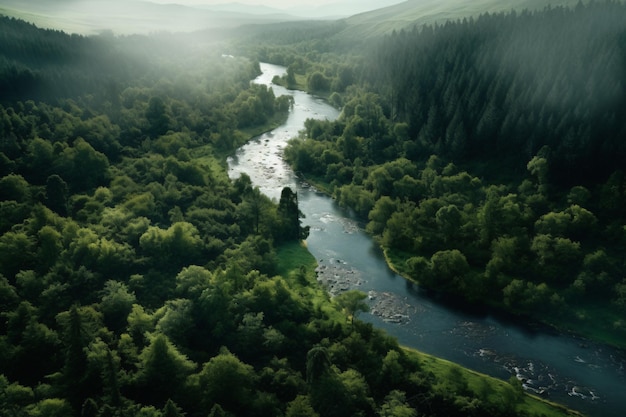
x=90, y=17
x=356, y=5
x=280, y=4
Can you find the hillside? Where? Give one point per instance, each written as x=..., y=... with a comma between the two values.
x=131, y=16
x=420, y=12
x=487, y=155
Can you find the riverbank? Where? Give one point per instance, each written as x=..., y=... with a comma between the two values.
x=297, y=266
x=490, y=388
x=590, y=326
x=557, y=364
x=585, y=321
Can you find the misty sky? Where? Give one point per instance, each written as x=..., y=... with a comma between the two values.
x=270, y=3
x=283, y=4
x=286, y=4
x=136, y=16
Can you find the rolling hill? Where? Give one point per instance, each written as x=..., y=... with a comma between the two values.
x=412, y=12
x=130, y=16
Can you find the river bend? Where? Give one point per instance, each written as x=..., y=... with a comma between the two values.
x=583, y=375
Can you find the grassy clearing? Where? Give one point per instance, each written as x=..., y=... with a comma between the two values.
x=294, y=256
x=299, y=85
x=300, y=82
x=297, y=266
x=397, y=262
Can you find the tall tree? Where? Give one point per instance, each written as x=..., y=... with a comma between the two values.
x=163, y=371
x=158, y=119
x=289, y=217
x=57, y=193
x=75, y=368
x=351, y=302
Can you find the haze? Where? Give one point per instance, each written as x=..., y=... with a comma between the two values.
x=147, y=16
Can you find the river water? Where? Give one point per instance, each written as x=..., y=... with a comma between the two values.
x=584, y=375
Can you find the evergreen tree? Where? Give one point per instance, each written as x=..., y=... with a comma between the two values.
x=289, y=217
x=75, y=368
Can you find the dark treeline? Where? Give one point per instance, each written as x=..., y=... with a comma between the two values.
x=38, y=64
x=47, y=65
x=503, y=86
x=487, y=155
x=137, y=279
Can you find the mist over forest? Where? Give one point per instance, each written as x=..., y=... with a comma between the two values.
x=481, y=146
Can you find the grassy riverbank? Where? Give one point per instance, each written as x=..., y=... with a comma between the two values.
x=297, y=266
x=586, y=320
x=488, y=388
x=210, y=155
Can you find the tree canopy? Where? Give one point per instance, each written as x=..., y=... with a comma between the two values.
x=137, y=279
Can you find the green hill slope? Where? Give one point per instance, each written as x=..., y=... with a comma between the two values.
x=420, y=12
x=130, y=17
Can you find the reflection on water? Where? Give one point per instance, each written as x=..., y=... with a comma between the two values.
x=585, y=376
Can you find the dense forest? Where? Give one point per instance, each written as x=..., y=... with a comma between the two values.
x=487, y=157
x=137, y=279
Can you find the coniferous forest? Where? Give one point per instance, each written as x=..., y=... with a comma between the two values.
x=487, y=156
x=136, y=279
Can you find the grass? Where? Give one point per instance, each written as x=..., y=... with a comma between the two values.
x=397, y=262
x=297, y=266
x=300, y=84
x=292, y=257
x=489, y=388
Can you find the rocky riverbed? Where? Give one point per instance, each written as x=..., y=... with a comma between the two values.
x=337, y=277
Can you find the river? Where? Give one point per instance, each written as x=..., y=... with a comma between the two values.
x=583, y=375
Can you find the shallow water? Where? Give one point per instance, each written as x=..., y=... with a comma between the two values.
x=586, y=376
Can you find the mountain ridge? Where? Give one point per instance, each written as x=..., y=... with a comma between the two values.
x=420, y=12
x=131, y=17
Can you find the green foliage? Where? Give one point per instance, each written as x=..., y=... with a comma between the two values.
x=300, y=407
x=351, y=302
x=179, y=245
x=317, y=82
x=289, y=214
x=317, y=364
x=116, y=304
x=138, y=279
x=227, y=381
x=448, y=145
x=53, y=407
x=162, y=371
x=396, y=406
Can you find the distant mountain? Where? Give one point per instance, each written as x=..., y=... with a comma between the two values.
x=133, y=16
x=412, y=12
x=328, y=11
x=243, y=8
x=145, y=16
x=339, y=8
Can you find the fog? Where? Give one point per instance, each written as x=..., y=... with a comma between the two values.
x=124, y=17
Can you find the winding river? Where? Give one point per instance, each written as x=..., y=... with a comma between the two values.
x=584, y=375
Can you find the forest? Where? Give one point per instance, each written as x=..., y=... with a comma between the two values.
x=486, y=156
x=137, y=279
